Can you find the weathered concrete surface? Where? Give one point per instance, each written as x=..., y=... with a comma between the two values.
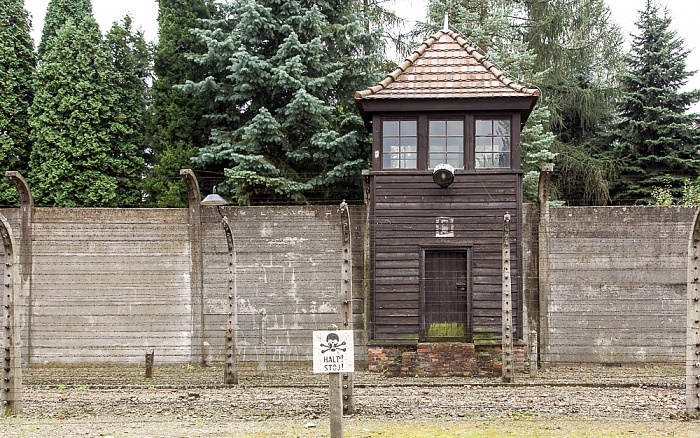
x=618, y=284
x=289, y=261
x=108, y=284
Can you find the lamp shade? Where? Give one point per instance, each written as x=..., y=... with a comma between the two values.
x=213, y=199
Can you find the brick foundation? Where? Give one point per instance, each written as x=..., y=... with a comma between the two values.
x=439, y=360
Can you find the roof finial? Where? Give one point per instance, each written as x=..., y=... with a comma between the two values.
x=446, y=27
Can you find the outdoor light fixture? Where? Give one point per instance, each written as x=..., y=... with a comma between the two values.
x=443, y=175
x=213, y=199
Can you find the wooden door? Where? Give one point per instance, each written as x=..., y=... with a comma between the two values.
x=446, y=294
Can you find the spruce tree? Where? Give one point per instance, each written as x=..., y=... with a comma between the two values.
x=284, y=73
x=17, y=64
x=656, y=139
x=57, y=14
x=84, y=153
x=177, y=125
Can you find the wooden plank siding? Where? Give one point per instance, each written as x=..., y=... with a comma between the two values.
x=403, y=212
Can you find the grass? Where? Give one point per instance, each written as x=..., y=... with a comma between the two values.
x=120, y=427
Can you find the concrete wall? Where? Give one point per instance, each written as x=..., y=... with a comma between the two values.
x=107, y=284
x=617, y=280
x=289, y=262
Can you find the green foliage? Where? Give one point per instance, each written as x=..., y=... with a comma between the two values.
x=86, y=150
x=581, y=177
x=578, y=59
x=655, y=140
x=58, y=13
x=577, y=47
x=665, y=194
x=17, y=63
x=177, y=125
x=131, y=61
x=286, y=127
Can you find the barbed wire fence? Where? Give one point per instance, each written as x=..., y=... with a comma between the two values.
x=110, y=285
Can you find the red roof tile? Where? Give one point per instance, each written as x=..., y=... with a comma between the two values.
x=445, y=66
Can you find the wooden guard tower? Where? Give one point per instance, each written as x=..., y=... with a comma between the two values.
x=445, y=170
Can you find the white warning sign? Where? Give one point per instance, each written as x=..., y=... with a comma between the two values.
x=334, y=351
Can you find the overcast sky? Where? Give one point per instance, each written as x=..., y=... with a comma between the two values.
x=685, y=15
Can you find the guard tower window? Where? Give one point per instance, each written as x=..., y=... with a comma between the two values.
x=492, y=143
x=399, y=144
x=446, y=143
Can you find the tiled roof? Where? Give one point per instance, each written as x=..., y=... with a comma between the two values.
x=445, y=66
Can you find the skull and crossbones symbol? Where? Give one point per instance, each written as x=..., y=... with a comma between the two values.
x=333, y=344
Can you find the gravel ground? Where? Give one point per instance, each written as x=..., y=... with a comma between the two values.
x=186, y=401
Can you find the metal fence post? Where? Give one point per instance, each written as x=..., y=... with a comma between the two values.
x=11, y=384
x=346, y=290
x=692, y=356
x=507, y=362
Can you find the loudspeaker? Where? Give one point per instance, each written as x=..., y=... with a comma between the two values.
x=443, y=175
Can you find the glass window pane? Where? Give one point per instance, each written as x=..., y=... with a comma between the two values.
x=502, y=127
x=483, y=144
x=484, y=127
x=391, y=129
x=409, y=161
x=503, y=160
x=455, y=160
x=455, y=128
x=455, y=144
x=390, y=142
x=502, y=144
x=437, y=127
x=408, y=143
x=435, y=160
x=483, y=160
x=390, y=161
x=408, y=127
x=437, y=143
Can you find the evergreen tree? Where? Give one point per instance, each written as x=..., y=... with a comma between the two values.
x=577, y=46
x=177, y=126
x=131, y=60
x=657, y=141
x=57, y=14
x=84, y=152
x=284, y=73
x=578, y=56
x=17, y=64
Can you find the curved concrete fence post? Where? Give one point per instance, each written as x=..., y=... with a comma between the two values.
x=692, y=356
x=194, y=219
x=11, y=372
x=26, y=260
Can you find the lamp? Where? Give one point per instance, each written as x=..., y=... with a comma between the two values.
x=443, y=175
x=213, y=199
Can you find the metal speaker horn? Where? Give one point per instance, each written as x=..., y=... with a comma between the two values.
x=443, y=175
